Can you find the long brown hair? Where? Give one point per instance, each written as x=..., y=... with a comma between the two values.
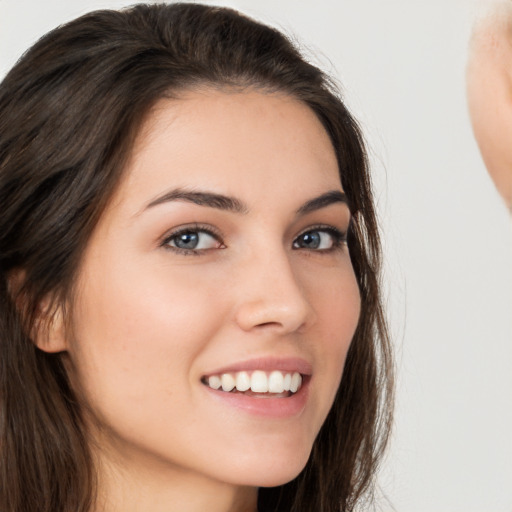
x=69, y=112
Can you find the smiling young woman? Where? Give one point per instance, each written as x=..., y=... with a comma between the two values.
x=190, y=308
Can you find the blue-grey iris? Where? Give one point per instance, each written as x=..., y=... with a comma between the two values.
x=310, y=240
x=188, y=240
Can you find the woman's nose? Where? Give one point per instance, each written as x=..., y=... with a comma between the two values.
x=271, y=297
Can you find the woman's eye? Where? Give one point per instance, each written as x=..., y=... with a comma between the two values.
x=193, y=240
x=319, y=239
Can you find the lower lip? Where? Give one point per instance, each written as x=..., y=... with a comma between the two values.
x=269, y=407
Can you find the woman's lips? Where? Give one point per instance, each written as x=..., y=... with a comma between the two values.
x=267, y=364
x=264, y=386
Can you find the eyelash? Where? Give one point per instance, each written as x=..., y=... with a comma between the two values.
x=339, y=239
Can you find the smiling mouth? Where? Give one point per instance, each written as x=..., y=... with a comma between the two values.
x=258, y=383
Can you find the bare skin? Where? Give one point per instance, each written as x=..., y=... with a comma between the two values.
x=489, y=90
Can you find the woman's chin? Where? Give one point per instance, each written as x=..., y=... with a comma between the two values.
x=278, y=478
x=270, y=472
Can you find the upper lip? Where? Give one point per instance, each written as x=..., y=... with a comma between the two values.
x=283, y=364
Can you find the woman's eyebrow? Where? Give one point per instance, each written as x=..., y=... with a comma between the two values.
x=210, y=199
x=331, y=197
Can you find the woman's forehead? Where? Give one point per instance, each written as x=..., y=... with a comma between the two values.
x=234, y=143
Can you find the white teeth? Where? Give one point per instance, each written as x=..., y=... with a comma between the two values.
x=258, y=382
x=228, y=382
x=287, y=381
x=214, y=382
x=243, y=381
x=296, y=382
x=276, y=382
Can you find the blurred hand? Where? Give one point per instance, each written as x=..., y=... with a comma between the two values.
x=489, y=89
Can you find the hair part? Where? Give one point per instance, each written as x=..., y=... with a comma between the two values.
x=70, y=111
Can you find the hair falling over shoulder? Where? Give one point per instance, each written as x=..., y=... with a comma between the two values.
x=69, y=112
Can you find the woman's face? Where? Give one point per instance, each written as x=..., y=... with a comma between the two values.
x=221, y=260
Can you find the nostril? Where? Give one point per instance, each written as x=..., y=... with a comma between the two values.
x=268, y=324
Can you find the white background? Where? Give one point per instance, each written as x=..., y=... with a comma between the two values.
x=448, y=237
